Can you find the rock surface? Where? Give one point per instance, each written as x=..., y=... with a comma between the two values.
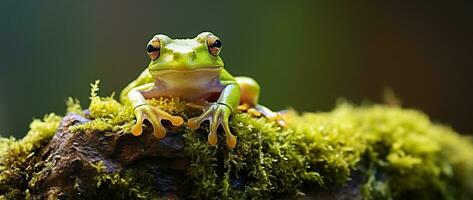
x=74, y=156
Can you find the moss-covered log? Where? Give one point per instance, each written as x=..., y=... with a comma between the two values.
x=366, y=152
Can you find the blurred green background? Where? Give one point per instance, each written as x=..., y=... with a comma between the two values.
x=305, y=54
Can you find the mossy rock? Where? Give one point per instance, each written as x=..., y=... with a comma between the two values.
x=352, y=152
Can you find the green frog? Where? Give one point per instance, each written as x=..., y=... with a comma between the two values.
x=192, y=70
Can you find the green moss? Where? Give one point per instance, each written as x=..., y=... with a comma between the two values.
x=124, y=185
x=18, y=160
x=415, y=155
x=73, y=106
x=396, y=153
x=399, y=151
x=107, y=113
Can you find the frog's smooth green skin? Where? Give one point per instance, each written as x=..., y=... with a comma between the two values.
x=192, y=70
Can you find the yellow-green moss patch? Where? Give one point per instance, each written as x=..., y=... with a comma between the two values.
x=18, y=160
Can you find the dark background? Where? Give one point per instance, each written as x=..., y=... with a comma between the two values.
x=305, y=54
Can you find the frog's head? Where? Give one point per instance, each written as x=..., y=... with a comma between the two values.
x=171, y=55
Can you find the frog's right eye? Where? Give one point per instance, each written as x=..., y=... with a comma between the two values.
x=153, y=48
x=214, y=44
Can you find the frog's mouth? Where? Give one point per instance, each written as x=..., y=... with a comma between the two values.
x=185, y=70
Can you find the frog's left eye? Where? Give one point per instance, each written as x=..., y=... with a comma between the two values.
x=153, y=48
x=214, y=44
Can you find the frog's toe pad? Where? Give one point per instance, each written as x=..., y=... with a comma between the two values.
x=212, y=138
x=176, y=120
x=231, y=141
x=137, y=129
x=159, y=132
x=194, y=123
x=244, y=107
x=249, y=109
x=254, y=112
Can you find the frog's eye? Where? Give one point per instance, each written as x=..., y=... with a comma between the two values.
x=153, y=48
x=214, y=44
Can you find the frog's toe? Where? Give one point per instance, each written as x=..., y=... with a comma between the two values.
x=212, y=138
x=215, y=122
x=175, y=120
x=244, y=107
x=231, y=139
x=209, y=114
x=154, y=115
x=278, y=118
x=158, y=129
x=217, y=114
x=270, y=115
x=254, y=112
x=195, y=122
x=159, y=132
x=137, y=129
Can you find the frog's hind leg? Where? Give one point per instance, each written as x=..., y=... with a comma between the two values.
x=249, y=94
x=250, y=91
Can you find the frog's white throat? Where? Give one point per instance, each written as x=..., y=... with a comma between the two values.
x=190, y=80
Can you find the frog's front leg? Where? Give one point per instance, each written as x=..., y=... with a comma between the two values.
x=154, y=115
x=250, y=91
x=218, y=113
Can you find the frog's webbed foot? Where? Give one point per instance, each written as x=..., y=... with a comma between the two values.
x=259, y=110
x=217, y=114
x=154, y=115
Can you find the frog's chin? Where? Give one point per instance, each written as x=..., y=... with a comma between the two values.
x=185, y=70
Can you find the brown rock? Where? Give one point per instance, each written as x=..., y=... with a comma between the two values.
x=72, y=157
